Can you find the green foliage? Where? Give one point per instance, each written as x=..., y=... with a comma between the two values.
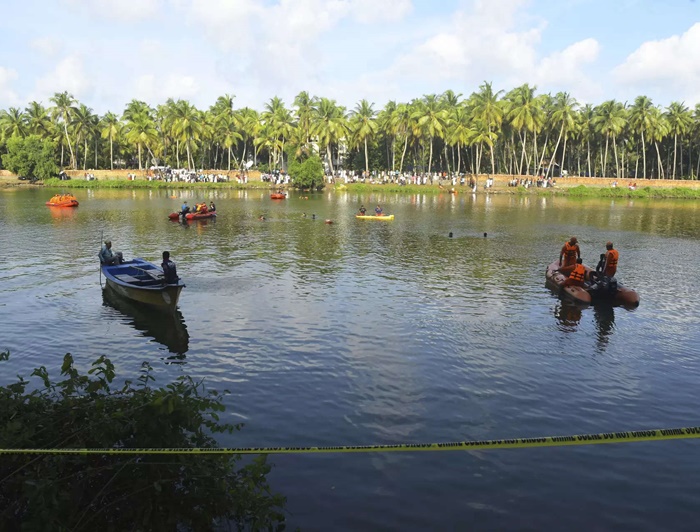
x=307, y=174
x=31, y=157
x=142, y=183
x=355, y=160
x=112, y=492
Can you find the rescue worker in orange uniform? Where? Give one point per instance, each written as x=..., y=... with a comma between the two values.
x=569, y=252
x=611, y=258
x=577, y=276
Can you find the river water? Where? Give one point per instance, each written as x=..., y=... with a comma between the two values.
x=369, y=332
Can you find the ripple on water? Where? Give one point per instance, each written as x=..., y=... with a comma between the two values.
x=362, y=333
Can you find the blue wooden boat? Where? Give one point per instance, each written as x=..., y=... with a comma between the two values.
x=142, y=281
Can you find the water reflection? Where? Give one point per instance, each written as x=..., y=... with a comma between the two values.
x=62, y=213
x=166, y=328
x=605, y=324
x=568, y=314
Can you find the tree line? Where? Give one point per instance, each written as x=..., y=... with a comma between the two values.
x=518, y=132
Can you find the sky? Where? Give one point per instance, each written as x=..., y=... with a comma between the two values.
x=108, y=52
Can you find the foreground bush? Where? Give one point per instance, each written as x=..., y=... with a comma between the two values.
x=130, y=492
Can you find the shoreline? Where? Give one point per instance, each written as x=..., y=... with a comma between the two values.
x=569, y=186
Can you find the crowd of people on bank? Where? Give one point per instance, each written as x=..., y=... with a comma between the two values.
x=169, y=175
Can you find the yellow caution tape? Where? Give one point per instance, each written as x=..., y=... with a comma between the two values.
x=517, y=443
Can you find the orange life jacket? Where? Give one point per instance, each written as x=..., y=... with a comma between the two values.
x=570, y=251
x=611, y=265
x=578, y=275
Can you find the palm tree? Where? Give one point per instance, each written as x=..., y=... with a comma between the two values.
x=488, y=109
x=658, y=129
x=187, y=126
x=141, y=131
x=62, y=111
x=84, y=124
x=13, y=123
x=609, y=120
x=679, y=121
x=38, y=120
x=430, y=118
x=401, y=124
x=111, y=129
x=224, y=124
x=523, y=111
x=305, y=106
x=586, y=131
x=460, y=132
x=364, y=126
x=386, y=129
x=330, y=126
x=564, y=113
x=640, y=116
x=248, y=123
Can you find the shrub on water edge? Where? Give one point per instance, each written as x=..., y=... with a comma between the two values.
x=124, y=492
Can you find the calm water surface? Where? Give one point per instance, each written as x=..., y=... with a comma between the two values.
x=366, y=332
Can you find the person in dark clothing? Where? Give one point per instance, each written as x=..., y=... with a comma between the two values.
x=169, y=269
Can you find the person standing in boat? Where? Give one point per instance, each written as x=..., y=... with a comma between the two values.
x=577, y=276
x=169, y=269
x=569, y=252
x=109, y=257
x=611, y=258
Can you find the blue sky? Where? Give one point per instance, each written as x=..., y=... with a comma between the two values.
x=107, y=52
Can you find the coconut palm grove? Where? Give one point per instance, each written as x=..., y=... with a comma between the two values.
x=517, y=132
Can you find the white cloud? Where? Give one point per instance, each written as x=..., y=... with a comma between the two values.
x=672, y=64
x=68, y=75
x=479, y=43
x=8, y=97
x=564, y=69
x=47, y=46
x=153, y=88
x=372, y=11
x=124, y=10
x=286, y=41
x=499, y=42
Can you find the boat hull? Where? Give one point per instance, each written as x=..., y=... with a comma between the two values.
x=200, y=215
x=623, y=296
x=141, y=281
x=385, y=217
x=71, y=203
x=278, y=196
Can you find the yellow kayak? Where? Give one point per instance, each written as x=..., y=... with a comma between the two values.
x=374, y=217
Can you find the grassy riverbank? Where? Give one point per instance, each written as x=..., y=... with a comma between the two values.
x=581, y=191
x=500, y=187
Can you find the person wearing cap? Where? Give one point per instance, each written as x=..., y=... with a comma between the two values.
x=569, y=252
x=611, y=258
x=109, y=257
